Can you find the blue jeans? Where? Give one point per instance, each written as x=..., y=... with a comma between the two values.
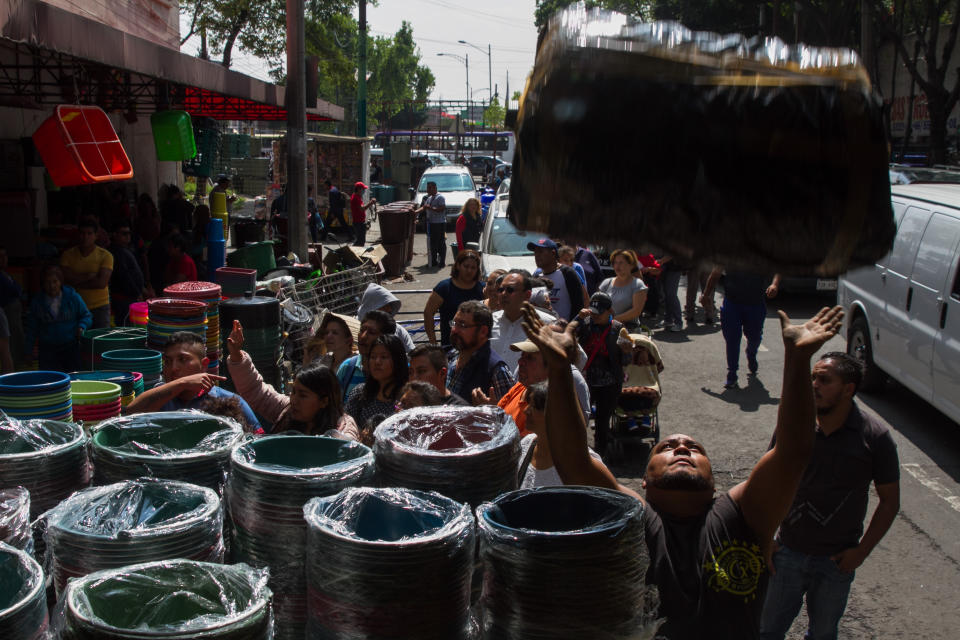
x=797, y=574
x=672, y=313
x=741, y=319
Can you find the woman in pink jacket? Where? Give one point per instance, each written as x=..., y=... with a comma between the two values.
x=313, y=407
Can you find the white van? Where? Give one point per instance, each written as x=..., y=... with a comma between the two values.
x=903, y=313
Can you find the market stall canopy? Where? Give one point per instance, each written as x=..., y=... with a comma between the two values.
x=51, y=56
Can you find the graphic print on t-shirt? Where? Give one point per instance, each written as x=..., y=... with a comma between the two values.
x=736, y=568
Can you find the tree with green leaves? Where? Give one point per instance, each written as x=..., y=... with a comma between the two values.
x=494, y=114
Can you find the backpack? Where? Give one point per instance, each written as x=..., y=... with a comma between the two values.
x=574, y=290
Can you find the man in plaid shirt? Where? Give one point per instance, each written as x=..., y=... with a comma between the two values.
x=474, y=364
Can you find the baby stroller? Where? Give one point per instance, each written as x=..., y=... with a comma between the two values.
x=635, y=417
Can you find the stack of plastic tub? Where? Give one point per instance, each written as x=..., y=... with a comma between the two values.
x=36, y=395
x=137, y=384
x=236, y=281
x=260, y=317
x=171, y=315
x=137, y=315
x=94, y=400
x=15, y=518
x=133, y=521
x=210, y=294
x=94, y=342
x=126, y=380
x=46, y=457
x=23, y=598
x=147, y=362
x=469, y=454
x=173, y=600
x=270, y=480
x=406, y=555
x=189, y=446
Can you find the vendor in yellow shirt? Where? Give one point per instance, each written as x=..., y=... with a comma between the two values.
x=87, y=268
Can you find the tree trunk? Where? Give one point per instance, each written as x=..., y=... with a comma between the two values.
x=937, y=108
x=232, y=38
x=204, y=54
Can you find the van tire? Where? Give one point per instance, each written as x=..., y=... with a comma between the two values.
x=860, y=347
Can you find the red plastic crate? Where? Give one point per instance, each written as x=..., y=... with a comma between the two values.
x=79, y=145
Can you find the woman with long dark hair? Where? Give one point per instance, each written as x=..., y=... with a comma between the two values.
x=313, y=407
x=388, y=371
x=462, y=285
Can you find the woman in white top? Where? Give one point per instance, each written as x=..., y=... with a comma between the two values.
x=540, y=471
x=626, y=289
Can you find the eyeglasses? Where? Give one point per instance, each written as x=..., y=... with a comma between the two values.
x=457, y=324
x=506, y=289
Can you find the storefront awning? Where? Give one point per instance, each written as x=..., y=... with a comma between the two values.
x=50, y=56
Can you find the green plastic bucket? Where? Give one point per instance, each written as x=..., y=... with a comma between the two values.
x=257, y=256
x=173, y=135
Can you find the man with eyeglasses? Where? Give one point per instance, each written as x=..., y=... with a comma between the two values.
x=474, y=364
x=127, y=284
x=514, y=290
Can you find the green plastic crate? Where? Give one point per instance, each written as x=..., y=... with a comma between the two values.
x=207, y=136
x=173, y=135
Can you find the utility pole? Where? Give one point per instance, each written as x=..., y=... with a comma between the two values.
x=296, y=104
x=362, y=74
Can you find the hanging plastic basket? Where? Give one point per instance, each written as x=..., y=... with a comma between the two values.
x=207, y=138
x=79, y=145
x=173, y=135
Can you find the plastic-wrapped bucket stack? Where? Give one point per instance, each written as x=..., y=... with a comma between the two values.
x=171, y=315
x=469, y=454
x=260, y=317
x=189, y=446
x=133, y=521
x=15, y=518
x=270, y=480
x=173, y=599
x=210, y=294
x=389, y=564
x=567, y=563
x=94, y=400
x=147, y=362
x=47, y=457
x=36, y=395
x=126, y=380
x=94, y=342
x=23, y=599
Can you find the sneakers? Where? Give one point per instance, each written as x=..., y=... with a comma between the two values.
x=673, y=328
x=731, y=382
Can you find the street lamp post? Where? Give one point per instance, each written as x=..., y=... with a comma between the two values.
x=466, y=62
x=489, y=65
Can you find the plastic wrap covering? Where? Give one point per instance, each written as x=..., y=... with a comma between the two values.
x=23, y=600
x=174, y=600
x=469, y=454
x=176, y=445
x=389, y=563
x=270, y=480
x=133, y=521
x=15, y=518
x=747, y=153
x=567, y=563
x=47, y=457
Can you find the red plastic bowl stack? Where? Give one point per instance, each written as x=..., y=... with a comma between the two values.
x=209, y=293
x=171, y=315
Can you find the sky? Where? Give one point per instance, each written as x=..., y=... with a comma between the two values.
x=438, y=25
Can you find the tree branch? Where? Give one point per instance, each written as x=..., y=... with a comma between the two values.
x=193, y=22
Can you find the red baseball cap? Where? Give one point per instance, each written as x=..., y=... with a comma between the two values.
x=361, y=185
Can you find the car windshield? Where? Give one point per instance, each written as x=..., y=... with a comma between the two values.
x=504, y=187
x=912, y=175
x=507, y=240
x=447, y=182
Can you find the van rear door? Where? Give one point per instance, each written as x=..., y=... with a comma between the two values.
x=928, y=281
x=946, y=350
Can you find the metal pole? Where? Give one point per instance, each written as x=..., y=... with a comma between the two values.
x=295, y=102
x=490, y=73
x=466, y=62
x=362, y=74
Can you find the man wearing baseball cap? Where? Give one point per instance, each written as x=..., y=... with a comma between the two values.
x=358, y=214
x=567, y=293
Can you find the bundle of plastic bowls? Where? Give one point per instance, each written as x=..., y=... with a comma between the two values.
x=94, y=400
x=126, y=380
x=94, y=342
x=147, y=362
x=170, y=599
x=46, y=457
x=270, y=480
x=36, y=395
x=133, y=521
x=469, y=454
x=210, y=294
x=260, y=317
x=137, y=384
x=171, y=315
x=15, y=518
x=138, y=314
x=23, y=599
x=407, y=555
x=177, y=445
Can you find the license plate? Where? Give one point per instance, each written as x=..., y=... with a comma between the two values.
x=826, y=284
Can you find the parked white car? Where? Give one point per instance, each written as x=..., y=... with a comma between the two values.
x=903, y=313
x=502, y=245
x=454, y=183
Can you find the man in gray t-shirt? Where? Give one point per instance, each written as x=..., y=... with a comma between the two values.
x=434, y=207
x=821, y=542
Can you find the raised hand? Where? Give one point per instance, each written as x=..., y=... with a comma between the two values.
x=808, y=337
x=558, y=348
x=235, y=342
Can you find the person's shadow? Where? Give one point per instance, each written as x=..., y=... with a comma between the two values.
x=750, y=397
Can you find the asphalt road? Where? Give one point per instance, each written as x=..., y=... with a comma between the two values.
x=904, y=589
